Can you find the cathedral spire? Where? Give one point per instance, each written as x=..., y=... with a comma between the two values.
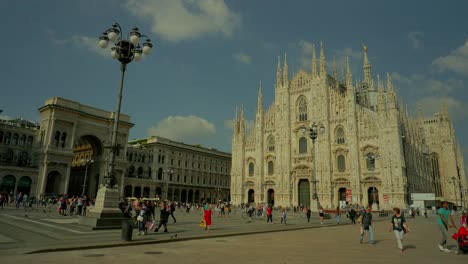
x=349, y=76
x=389, y=83
x=241, y=122
x=314, y=63
x=260, y=98
x=236, y=123
x=278, y=74
x=335, y=71
x=366, y=67
x=323, y=66
x=285, y=71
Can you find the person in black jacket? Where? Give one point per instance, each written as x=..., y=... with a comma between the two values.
x=352, y=215
x=366, y=225
x=163, y=217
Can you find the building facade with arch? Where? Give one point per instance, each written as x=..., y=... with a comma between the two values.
x=18, y=156
x=160, y=167
x=369, y=150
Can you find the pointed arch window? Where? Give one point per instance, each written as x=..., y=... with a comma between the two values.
x=302, y=145
x=302, y=109
x=271, y=168
x=340, y=135
x=341, y=163
x=251, y=169
x=271, y=144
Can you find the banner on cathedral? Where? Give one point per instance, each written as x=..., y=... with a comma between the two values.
x=348, y=195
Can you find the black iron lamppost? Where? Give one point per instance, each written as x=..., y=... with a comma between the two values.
x=87, y=163
x=166, y=187
x=314, y=130
x=125, y=49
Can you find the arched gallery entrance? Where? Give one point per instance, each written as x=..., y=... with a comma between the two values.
x=24, y=185
x=304, y=192
x=84, y=173
x=53, y=183
x=8, y=184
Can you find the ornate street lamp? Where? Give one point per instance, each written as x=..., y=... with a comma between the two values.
x=125, y=49
x=314, y=130
x=87, y=163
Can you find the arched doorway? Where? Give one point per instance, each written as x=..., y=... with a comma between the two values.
x=158, y=191
x=304, y=192
x=146, y=192
x=183, y=196
x=190, y=196
x=373, y=194
x=341, y=197
x=128, y=191
x=8, y=184
x=53, y=183
x=251, y=196
x=137, y=192
x=24, y=185
x=85, y=167
x=271, y=197
x=197, y=196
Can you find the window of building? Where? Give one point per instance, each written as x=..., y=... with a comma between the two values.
x=271, y=144
x=302, y=109
x=341, y=163
x=140, y=171
x=302, y=145
x=64, y=139
x=22, y=140
x=251, y=169
x=162, y=159
x=185, y=164
x=370, y=162
x=160, y=172
x=57, y=138
x=270, y=168
x=1, y=137
x=172, y=161
x=178, y=178
x=340, y=135
x=185, y=178
x=14, y=139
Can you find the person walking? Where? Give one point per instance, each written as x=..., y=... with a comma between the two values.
x=337, y=215
x=207, y=216
x=399, y=226
x=283, y=217
x=308, y=212
x=163, y=217
x=320, y=211
x=366, y=225
x=352, y=215
x=443, y=221
x=269, y=215
x=172, y=210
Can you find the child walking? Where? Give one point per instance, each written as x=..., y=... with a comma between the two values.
x=283, y=217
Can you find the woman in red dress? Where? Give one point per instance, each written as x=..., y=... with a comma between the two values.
x=207, y=216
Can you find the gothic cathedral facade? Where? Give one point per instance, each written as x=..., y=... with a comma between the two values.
x=368, y=149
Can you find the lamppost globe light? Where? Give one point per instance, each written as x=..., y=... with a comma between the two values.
x=147, y=47
x=103, y=41
x=114, y=53
x=135, y=36
x=113, y=35
x=137, y=56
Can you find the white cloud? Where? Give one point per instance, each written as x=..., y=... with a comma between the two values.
x=415, y=37
x=423, y=84
x=243, y=58
x=80, y=41
x=456, y=61
x=177, y=20
x=190, y=129
x=456, y=108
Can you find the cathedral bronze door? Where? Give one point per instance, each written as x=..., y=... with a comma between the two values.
x=251, y=197
x=373, y=195
x=304, y=193
x=271, y=197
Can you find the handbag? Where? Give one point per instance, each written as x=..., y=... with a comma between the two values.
x=203, y=223
x=140, y=218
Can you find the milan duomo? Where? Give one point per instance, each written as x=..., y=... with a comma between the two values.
x=368, y=149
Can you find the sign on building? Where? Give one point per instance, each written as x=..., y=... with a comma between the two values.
x=423, y=196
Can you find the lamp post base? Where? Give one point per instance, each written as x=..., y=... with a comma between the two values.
x=106, y=213
x=314, y=206
x=375, y=207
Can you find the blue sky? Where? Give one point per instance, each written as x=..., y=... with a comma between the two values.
x=209, y=56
